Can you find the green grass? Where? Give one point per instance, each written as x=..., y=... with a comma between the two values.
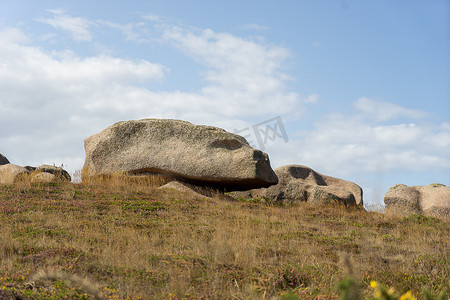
x=133, y=241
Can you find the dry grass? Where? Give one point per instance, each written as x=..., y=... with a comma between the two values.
x=134, y=241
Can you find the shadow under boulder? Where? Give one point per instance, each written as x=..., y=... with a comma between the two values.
x=3, y=160
x=196, y=191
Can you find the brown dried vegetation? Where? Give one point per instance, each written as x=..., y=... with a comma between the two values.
x=133, y=241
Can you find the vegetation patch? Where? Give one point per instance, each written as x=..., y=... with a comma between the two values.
x=108, y=240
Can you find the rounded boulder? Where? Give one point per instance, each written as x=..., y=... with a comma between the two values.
x=431, y=200
x=197, y=154
x=10, y=173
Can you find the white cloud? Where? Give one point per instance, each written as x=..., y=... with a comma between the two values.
x=313, y=98
x=29, y=71
x=350, y=144
x=129, y=30
x=51, y=101
x=77, y=27
x=152, y=17
x=255, y=27
x=383, y=111
x=247, y=74
x=56, y=99
x=9, y=36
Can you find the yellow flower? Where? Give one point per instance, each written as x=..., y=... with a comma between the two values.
x=373, y=284
x=407, y=296
x=391, y=291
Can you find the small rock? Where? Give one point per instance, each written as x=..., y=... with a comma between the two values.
x=43, y=177
x=196, y=191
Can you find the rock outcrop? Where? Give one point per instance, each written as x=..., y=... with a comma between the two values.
x=202, y=155
x=302, y=184
x=10, y=173
x=58, y=172
x=3, y=160
x=431, y=200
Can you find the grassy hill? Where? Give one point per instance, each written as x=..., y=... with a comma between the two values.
x=126, y=240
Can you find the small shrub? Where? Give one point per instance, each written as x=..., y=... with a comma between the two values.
x=285, y=279
x=421, y=219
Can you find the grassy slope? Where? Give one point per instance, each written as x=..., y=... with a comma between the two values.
x=133, y=241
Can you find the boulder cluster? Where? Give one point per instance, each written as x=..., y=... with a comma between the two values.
x=199, y=159
x=11, y=173
x=298, y=183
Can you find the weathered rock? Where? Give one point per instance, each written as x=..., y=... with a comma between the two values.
x=435, y=200
x=193, y=190
x=43, y=177
x=58, y=172
x=431, y=200
x=10, y=173
x=302, y=184
x=178, y=186
x=196, y=191
x=402, y=200
x=330, y=194
x=198, y=154
x=3, y=160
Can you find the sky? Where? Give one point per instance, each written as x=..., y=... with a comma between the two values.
x=357, y=90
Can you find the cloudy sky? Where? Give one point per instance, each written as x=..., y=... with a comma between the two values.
x=361, y=87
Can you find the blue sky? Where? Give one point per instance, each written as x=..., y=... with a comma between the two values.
x=362, y=87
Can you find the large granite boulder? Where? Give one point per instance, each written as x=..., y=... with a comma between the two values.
x=3, y=160
x=298, y=183
x=10, y=174
x=203, y=155
x=431, y=200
